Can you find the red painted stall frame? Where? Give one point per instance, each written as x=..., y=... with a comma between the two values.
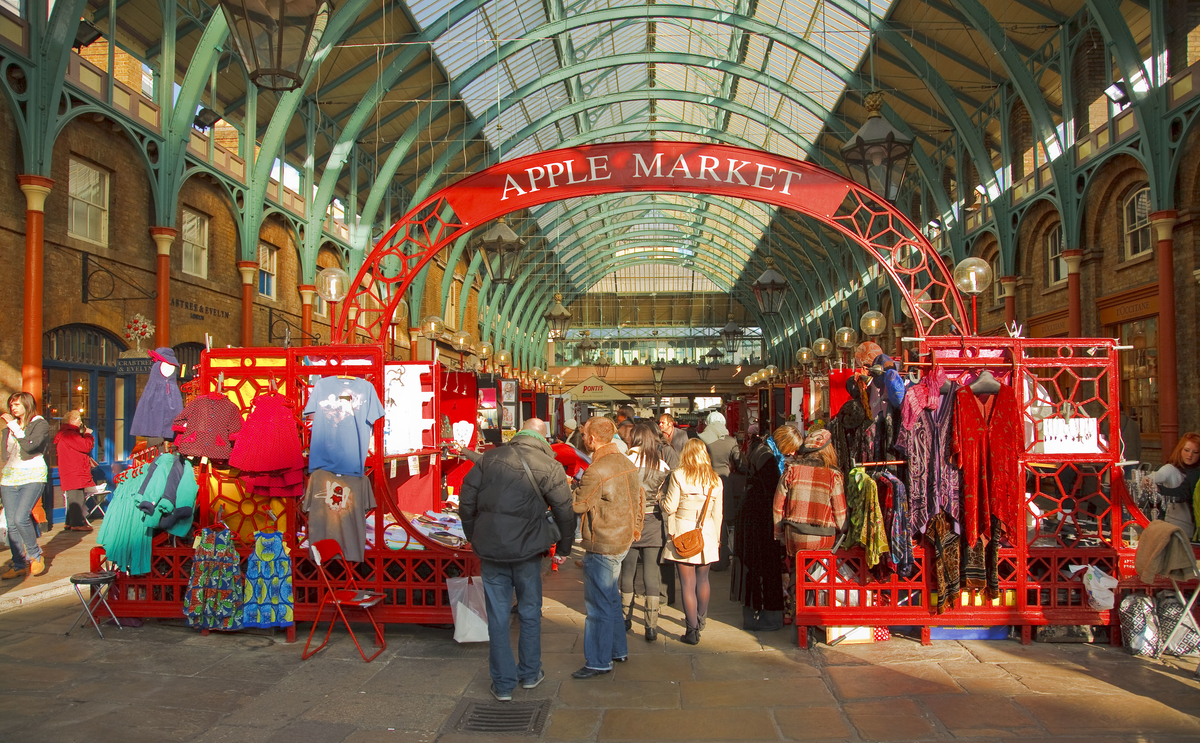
x=1077, y=509
x=413, y=580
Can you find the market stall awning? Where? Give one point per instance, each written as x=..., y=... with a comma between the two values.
x=595, y=389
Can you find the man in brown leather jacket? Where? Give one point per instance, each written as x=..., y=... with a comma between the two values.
x=609, y=497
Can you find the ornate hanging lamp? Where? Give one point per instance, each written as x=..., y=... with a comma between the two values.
x=731, y=335
x=501, y=248
x=770, y=290
x=277, y=39
x=558, y=318
x=878, y=153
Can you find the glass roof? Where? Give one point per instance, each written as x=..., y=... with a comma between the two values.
x=650, y=278
x=793, y=95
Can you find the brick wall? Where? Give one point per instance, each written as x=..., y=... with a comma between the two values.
x=1089, y=77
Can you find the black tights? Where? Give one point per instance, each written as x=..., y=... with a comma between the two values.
x=650, y=575
x=696, y=591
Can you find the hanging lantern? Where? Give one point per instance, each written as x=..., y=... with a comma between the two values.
x=601, y=365
x=277, y=39
x=770, y=290
x=845, y=337
x=558, y=318
x=703, y=369
x=731, y=334
x=972, y=276
x=432, y=327
x=501, y=247
x=658, y=368
x=586, y=347
x=804, y=356
x=823, y=348
x=878, y=154
x=714, y=353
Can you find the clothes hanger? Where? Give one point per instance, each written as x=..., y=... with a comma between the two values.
x=985, y=384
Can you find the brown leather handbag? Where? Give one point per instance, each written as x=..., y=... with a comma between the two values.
x=691, y=542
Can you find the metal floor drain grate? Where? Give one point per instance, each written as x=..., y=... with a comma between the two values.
x=499, y=718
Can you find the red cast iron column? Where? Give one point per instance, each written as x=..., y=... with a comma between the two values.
x=1073, y=259
x=163, y=238
x=1008, y=287
x=307, y=292
x=36, y=189
x=1168, y=380
x=249, y=270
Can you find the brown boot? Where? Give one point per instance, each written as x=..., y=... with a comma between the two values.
x=38, y=567
x=12, y=573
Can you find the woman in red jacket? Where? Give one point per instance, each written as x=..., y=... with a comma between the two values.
x=74, y=446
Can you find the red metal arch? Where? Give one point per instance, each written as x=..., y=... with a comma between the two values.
x=722, y=170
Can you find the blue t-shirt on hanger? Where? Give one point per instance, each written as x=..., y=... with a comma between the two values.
x=344, y=411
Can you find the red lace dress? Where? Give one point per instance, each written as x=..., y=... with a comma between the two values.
x=267, y=450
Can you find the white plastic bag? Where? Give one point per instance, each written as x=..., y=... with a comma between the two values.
x=469, y=609
x=1099, y=585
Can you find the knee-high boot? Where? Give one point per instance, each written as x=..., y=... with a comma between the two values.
x=652, y=604
x=627, y=604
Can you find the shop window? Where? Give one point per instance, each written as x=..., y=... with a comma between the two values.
x=267, y=267
x=195, y=243
x=87, y=197
x=1056, y=265
x=1139, y=372
x=80, y=373
x=188, y=356
x=1138, y=237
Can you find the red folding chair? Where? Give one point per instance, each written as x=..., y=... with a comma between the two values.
x=347, y=596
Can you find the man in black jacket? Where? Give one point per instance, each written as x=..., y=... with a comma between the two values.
x=503, y=508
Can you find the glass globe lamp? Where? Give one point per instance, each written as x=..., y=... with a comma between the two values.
x=872, y=323
x=972, y=276
x=432, y=327
x=461, y=340
x=771, y=371
x=333, y=284
x=845, y=337
x=486, y=350
x=504, y=358
x=804, y=356
x=823, y=348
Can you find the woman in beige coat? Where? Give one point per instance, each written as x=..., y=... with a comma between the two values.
x=691, y=483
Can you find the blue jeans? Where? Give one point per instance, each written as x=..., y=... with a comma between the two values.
x=500, y=579
x=604, y=628
x=22, y=534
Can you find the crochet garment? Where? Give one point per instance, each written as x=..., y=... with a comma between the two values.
x=216, y=591
x=267, y=449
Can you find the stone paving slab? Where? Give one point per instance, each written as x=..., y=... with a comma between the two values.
x=165, y=682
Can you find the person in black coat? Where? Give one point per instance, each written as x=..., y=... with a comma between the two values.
x=762, y=557
x=503, y=509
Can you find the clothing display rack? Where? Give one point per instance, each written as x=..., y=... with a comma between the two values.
x=413, y=580
x=1075, y=508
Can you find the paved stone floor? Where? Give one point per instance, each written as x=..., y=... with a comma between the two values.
x=164, y=682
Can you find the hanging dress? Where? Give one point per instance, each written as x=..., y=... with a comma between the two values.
x=123, y=533
x=207, y=427
x=161, y=400
x=268, y=583
x=216, y=591
x=267, y=449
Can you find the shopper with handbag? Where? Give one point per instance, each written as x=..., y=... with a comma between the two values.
x=73, y=444
x=24, y=440
x=693, y=509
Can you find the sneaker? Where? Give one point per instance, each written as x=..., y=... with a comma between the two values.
x=534, y=684
x=14, y=572
x=38, y=567
x=501, y=696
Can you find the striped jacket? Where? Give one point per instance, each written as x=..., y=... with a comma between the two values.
x=810, y=500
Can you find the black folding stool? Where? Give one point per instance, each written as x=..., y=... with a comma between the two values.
x=100, y=582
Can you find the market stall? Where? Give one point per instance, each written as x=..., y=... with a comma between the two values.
x=408, y=546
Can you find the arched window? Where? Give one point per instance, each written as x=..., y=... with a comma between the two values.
x=997, y=289
x=1136, y=224
x=81, y=372
x=1056, y=265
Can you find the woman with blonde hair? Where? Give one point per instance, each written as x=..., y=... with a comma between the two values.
x=691, y=486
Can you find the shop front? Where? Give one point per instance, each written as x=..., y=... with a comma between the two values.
x=1132, y=318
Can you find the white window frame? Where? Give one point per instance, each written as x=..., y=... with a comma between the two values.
x=191, y=247
x=1138, y=237
x=268, y=268
x=997, y=287
x=76, y=199
x=1054, y=256
x=451, y=318
x=320, y=306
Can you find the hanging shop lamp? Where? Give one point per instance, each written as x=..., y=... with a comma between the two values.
x=770, y=290
x=823, y=348
x=731, y=334
x=277, y=39
x=872, y=323
x=703, y=369
x=658, y=368
x=501, y=247
x=878, y=154
x=601, y=365
x=845, y=337
x=715, y=354
x=587, y=347
x=558, y=318
x=804, y=356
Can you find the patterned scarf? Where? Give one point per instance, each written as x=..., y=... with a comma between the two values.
x=779, y=462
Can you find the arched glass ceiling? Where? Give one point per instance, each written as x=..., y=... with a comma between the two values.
x=651, y=278
x=729, y=229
